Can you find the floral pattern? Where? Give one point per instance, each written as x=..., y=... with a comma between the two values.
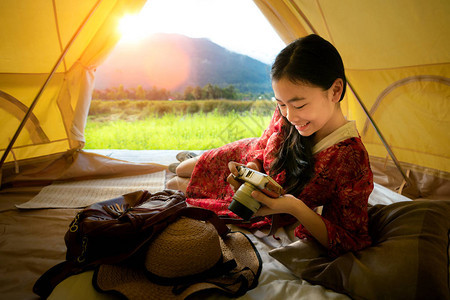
x=342, y=183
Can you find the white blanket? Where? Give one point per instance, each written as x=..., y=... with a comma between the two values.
x=275, y=282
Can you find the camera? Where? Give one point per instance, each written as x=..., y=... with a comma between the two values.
x=243, y=204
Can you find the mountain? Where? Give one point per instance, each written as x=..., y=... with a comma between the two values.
x=174, y=61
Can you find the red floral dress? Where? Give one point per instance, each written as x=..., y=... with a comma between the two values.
x=342, y=183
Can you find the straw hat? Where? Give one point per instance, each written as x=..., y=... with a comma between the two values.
x=187, y=257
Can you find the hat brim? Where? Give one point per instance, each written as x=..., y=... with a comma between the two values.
x=134, y=284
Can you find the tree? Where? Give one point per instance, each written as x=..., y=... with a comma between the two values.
x=140, y=92
x=152, y=94
x=198, y=93
x=189, y=93
x=164, y=94
x=229, y=92
x=212, y=91
x=121, y=93
x=208, y=91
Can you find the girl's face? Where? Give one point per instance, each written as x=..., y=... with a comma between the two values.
x=309, y=108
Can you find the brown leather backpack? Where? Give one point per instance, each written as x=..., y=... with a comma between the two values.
x=116, y=230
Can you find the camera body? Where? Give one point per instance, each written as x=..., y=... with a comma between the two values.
x=243, y=204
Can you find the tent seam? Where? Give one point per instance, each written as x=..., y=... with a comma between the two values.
x=58, y=33
x=401, y=67
x=325, y=22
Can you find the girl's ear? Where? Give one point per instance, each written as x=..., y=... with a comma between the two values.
x=337, y=89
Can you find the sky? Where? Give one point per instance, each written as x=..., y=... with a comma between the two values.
x=237, y=25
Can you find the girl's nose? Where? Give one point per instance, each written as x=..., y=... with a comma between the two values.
x=290, y=115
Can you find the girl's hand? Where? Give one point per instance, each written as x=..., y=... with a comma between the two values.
x=282, y=204
x=297, y=208
x=254, y=165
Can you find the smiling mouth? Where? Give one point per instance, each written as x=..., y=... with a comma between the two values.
x=302, y=127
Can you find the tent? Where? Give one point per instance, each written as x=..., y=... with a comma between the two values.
x=396, y=55
x=397, y=59
x=49, y=54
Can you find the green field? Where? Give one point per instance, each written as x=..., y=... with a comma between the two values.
x=130, y=125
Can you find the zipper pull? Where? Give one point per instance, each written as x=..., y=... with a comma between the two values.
x=116, y=210
x=74, y=225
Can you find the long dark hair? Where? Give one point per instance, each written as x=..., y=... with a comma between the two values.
x=308, y=60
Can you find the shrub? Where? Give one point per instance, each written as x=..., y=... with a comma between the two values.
x=144, y=108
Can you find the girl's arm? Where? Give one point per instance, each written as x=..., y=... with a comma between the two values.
x=343, y=186
x=297, y=208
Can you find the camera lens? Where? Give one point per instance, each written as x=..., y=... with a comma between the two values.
x=243, y=203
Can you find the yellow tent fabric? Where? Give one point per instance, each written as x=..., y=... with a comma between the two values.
x=397, y=59
x=34, y=34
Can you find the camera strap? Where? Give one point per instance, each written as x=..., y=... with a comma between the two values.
x=274, y=224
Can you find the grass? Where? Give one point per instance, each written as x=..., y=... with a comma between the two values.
x=122, y=127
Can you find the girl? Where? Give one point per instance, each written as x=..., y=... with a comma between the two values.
x=309, y=148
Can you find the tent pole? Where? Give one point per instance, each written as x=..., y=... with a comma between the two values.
x=380, y=135
x=53, y=71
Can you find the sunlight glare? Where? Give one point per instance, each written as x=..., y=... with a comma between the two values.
x=131, y=29
x=237, y=25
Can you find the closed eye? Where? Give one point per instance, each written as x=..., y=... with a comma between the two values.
x=299, y=107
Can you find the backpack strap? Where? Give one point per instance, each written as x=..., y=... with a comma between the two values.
x=53, y=276
x=207, y=215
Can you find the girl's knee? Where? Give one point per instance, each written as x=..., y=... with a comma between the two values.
x=177, y=183
x=186, y=167
x=172, y=184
